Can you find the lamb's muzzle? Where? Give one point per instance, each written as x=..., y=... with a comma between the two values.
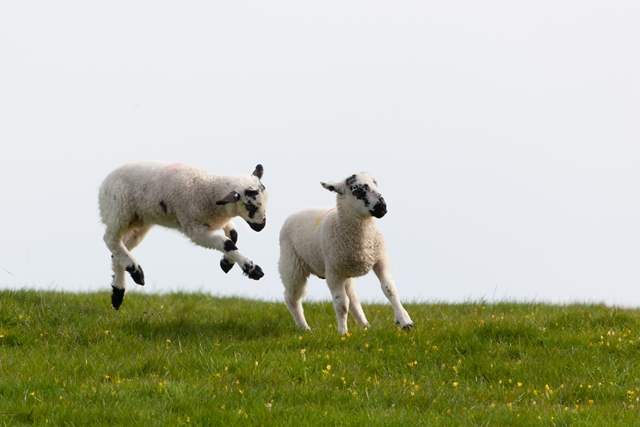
x=257, y=226
x=380, y=209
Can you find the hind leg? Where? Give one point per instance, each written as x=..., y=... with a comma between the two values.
x=132, y=239
x=120, y=245
x=135, y=235
x=294, y=280
x=121, y=241
x=293, y=294
x=118, y=285
x=122, y=257
x=355, y=308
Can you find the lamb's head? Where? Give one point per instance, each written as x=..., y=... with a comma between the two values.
x=360, y=194
x=251, y=199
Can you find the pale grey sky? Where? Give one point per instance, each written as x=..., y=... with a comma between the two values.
x=505, y=137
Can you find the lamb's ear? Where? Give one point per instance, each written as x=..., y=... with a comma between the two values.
x=338, y=187
x=232, y=197
x=258, y=172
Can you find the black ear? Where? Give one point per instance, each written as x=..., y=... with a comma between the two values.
x=232, y=197
x=258, y=172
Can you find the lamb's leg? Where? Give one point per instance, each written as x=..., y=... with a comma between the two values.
x=202, y=236
x=355, y=308
x=135, y=236
x=118, y=285
x=122, y=256
x=227, y=263
x=383, y=271
x=340, y=301
x=120, y=260
x=295, y=285
x=130, y=240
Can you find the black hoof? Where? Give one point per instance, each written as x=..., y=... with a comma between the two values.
x=116, y=297
x=408, y=327
x=136, y=274
x=226, y=265
x=233, y=235
x=254, y=272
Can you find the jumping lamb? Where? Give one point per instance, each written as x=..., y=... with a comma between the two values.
x=338, y=244
x=136, y=196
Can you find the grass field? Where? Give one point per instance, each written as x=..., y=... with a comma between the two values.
x=185, y=359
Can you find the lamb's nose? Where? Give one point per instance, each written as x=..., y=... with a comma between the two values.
x=380, y=209
x=258, y=226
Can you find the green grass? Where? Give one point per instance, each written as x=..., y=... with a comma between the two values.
x=184, y=359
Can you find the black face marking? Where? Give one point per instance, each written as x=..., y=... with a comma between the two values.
x=163, y=205
x=360, y=191
x=251, y=208
x=351, y=180
x=250, y=203
x=233, y=235
x=251, y=193
x=230, y=246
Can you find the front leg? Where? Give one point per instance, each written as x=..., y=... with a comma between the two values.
x=383, y=271
x=226, y=263
x=355, y=308
x=202, y=236
x=340, y=301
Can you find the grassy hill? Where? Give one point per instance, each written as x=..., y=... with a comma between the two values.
x=185, y=359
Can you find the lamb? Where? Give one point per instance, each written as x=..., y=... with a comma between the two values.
x=136, y=196
x=338, y=244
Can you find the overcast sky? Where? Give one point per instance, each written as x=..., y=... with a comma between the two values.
x=505, y=137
